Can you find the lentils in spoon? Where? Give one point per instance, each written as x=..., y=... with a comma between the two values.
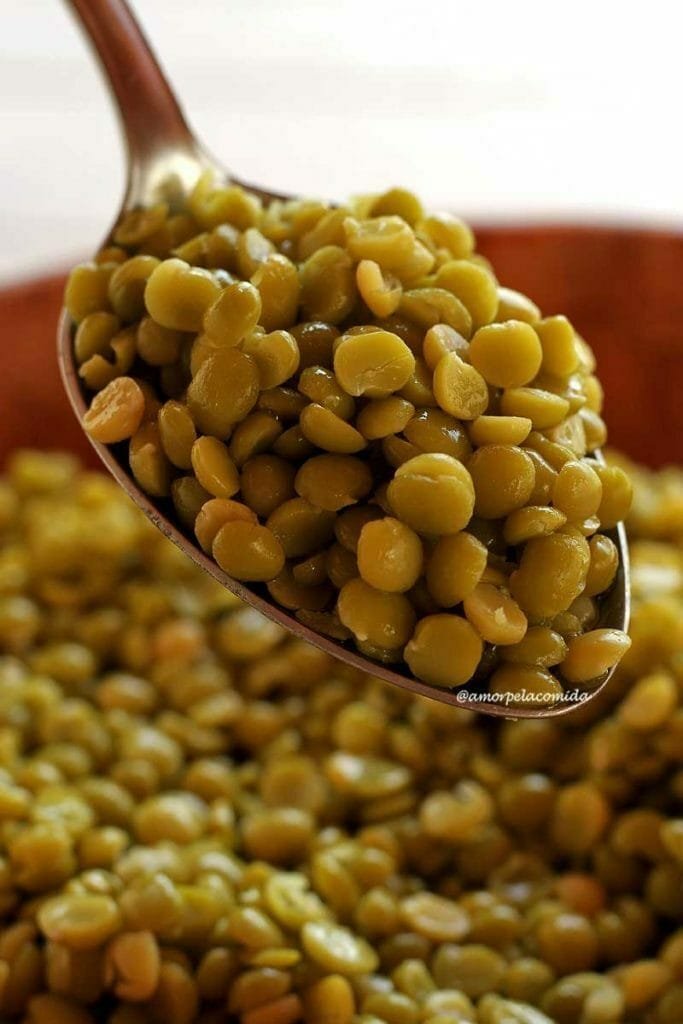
x=344, y=406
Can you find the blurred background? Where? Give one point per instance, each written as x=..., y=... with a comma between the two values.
x=503, y=111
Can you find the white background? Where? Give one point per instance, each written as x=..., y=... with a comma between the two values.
x=501, y=109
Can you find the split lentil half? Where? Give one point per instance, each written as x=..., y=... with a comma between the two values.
x=306, y=363
x=205, y=821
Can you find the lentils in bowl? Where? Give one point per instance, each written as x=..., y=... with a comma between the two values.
x=203, y=820
x=347, y=411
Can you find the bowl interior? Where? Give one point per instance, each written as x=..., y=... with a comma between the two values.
x=619, y=286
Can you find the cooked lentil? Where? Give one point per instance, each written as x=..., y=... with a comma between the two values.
x=306, y=361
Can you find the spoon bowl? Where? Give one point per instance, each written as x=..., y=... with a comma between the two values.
x=164, y=162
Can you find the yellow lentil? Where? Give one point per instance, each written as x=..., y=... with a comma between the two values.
x=223, y=391
x=496, y=617
x=444, y=650
x=248, y=551
x=374, y=364
x=384, y=416
x=214, y=514
x=213, y=467
x=380, y=292
x=385, y=620
x=80, y=921
x=276, y=356
x=116, y=412
x=433, y=494
x=439, y=341
x=389, y=555
x=459, y=388
x=455, y=567
x=499, y=430
x=507, y=355
x=178, y=295
x=474, y=285
x=332, y=482
x=591, y=654
x=503, y=478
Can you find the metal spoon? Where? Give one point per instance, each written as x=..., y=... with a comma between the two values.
x=164, y=161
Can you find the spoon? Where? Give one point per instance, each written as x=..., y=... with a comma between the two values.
x=164, y=161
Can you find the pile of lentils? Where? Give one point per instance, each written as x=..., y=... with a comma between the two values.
x=343, y=407
x=205, y=821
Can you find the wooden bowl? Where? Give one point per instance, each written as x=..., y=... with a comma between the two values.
x=619, y=286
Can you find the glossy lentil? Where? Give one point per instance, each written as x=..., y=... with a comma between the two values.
x=390, y=555
x=507, y=355
x=116, y=412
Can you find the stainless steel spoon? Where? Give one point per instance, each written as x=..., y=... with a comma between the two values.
x=164, y=161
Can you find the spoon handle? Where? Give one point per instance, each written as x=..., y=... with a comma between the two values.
x=150, y=115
